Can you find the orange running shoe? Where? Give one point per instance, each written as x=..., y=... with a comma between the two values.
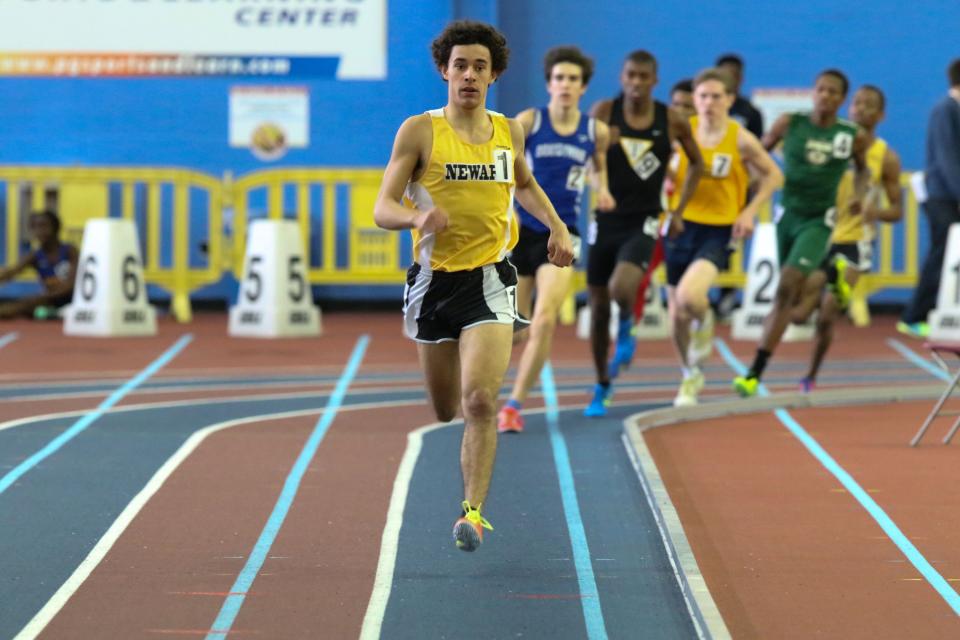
x=509, y=420
x=468, y=530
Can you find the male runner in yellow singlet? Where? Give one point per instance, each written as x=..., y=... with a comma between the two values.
x=716, y=217
x=451, y=180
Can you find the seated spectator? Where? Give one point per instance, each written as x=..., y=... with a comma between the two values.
x=55, y=263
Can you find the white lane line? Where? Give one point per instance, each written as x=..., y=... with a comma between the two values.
x=90, y=417
x=20, y=422
x=106, y=542
x=390, y=542
x=8, y=338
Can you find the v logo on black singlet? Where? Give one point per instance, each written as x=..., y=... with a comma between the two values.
x=638, y=151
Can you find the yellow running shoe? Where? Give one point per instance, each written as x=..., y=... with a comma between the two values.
x=840, y=287
x=468, y=530
x=914, y=329
x=745, y=386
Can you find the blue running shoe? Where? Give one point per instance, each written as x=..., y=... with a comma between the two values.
x=623, y=354
x=601, y=399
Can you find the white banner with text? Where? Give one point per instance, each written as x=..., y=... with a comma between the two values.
x=342, y=39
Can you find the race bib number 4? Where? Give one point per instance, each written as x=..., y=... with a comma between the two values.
x=842, y=145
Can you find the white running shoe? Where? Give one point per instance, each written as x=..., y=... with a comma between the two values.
x=701, y=341
x=689, y=389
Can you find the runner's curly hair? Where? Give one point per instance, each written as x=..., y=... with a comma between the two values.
x=464, y=32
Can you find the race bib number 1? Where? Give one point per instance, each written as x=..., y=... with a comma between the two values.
x=503, y=165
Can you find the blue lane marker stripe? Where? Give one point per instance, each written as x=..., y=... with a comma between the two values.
x=589, y=594
x=878, y=514
x=78, y=427
x=7, y=339
x=909, y=354
x=231, y=605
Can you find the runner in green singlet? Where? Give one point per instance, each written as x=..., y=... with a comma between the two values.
x=817, y=149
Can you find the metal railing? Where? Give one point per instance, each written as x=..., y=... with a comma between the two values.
x=181, y=216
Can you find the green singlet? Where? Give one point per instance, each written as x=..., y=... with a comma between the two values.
x=815, y=159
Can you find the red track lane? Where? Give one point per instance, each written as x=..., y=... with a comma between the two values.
x=787, y=553
x=193, y=537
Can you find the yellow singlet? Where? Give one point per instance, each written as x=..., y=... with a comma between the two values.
x=722, y=190
x=474, y=184
x=850, y=228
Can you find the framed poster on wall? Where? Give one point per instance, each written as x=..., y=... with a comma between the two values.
x=269, y=120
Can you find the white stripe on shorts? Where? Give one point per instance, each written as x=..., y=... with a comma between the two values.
x=413, y=301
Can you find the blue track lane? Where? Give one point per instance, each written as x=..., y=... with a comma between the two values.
x=523, y=578
x=879, y=371
x=522, y=582
x=52, y=517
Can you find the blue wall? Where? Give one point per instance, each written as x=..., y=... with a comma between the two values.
x=184, y=122
x=901, y=48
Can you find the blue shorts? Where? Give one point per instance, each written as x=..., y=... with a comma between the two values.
x=697, y=242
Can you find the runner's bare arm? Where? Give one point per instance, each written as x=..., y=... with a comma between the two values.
x=598, y=165
x=601, y=110
x=407, y=161
x=861, y=172
x=526, y=119
x=890, y=179
x=680, y=132
x=769, y=179
x=779, y=129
